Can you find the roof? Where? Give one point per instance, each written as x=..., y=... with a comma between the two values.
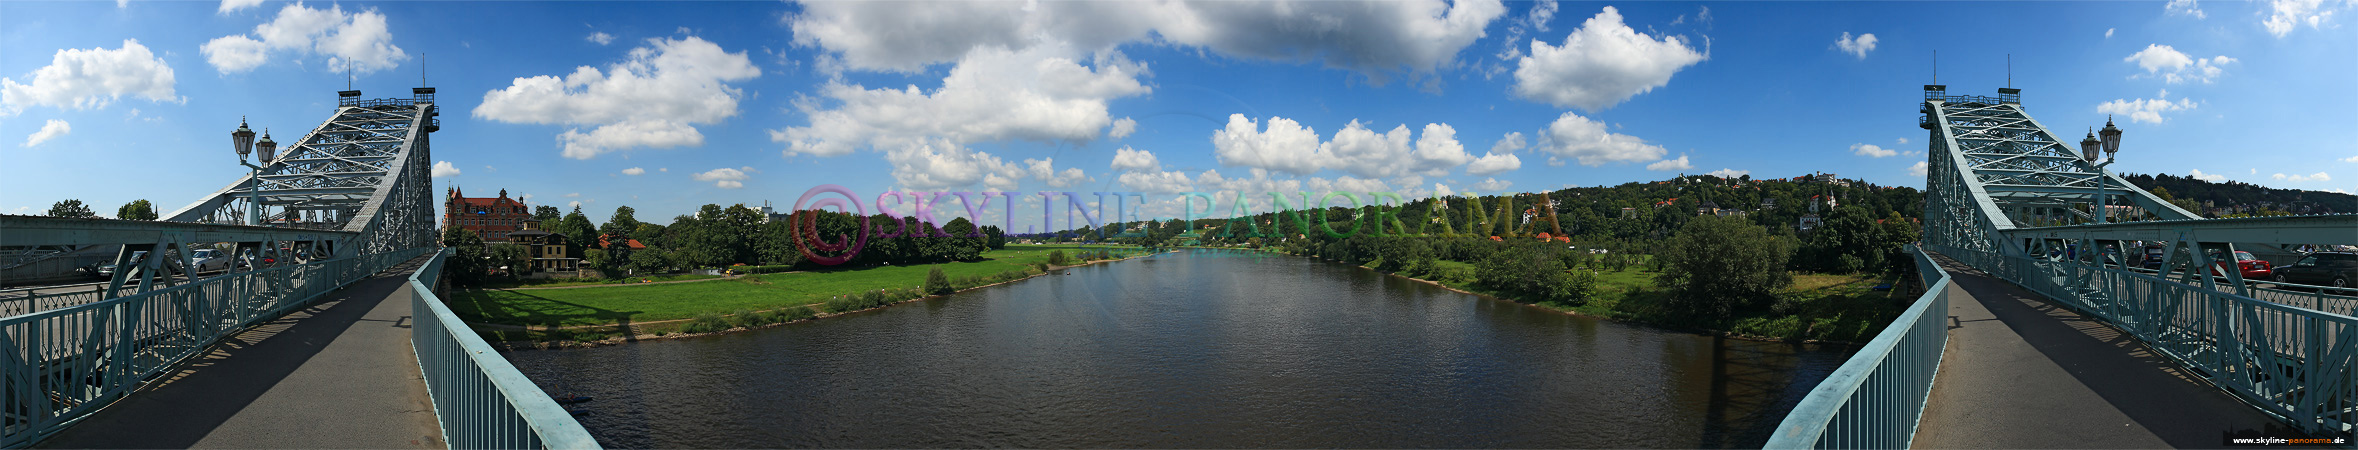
x=487, y=201
x=516, y=233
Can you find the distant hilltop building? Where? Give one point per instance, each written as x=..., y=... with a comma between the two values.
x=491, y=218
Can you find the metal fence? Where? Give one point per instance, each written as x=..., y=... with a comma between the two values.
x=479, y=398
x=17, y=302
x=1875, y=398
x=59, y=365
x=2292, y=362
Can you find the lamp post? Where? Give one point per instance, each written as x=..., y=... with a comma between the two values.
x=242, y=140
x=2110, y=144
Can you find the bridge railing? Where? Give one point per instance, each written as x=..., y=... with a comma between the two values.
x=60, y=365
x=480, y=399
x=1875, y=398
x=2292, y=362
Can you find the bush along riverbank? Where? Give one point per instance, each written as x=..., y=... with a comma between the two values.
x=1810, y=308
x=935, y=282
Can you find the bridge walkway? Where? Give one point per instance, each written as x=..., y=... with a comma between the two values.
x=339, y=374
x=2020, y=372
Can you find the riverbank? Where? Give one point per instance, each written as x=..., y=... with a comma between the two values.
x=705, y=309
x=1816, y=309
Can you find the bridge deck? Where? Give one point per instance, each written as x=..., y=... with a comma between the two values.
x=337, y=375
x=2023, y=373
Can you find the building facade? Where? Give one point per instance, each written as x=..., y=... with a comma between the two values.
x=548, y=251
x=492, y=218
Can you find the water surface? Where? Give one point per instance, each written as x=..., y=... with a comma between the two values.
x=1193, y=349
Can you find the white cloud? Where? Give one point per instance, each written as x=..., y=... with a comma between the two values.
x=1680, y=163
x=2211, y=177
x=573, y=195
x=1512, y=142
x=2108, y=33
x=725, y=178
x=1158, y=182
x=1921, y=168
x=445, y=169
x=651, y=100
x=1872, y=150
x=2286, y=15
x=2175, y=67
x=1289, y=147
x=1903, y=140
x=1044, y=169
x=1493, y=184
x=576, y=204
x=634, y=171
x=2145, y=110
x=1573, y=136
x=1494, y=163
x=2353, y=159
x=1441, y=190
x=50, y=130
x=1285, y=146
x=2298, y=178
x=1729, y=173
x=1601, y=64
x=993, y=94
x=941, y=164
x=229, y=6
x=361, y=41
x=87, y=79
x=1375, y=39
x=1859, y=46
x=1122, y=128
x=2185, y=8
x=600, y=37
x=1127, y=159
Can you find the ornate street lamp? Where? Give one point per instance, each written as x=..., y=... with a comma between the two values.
x=242, y=140
x=2109, y=140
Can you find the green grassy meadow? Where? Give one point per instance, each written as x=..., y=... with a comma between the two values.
x=628, y=303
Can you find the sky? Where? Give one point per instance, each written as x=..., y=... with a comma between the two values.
x=666, y=106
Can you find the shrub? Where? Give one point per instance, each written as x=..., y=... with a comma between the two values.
x=705, y=323
x=1057, y=258
x=937, y=283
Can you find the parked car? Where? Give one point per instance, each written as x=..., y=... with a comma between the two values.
x=210, y=260
x=108, y=270
x=2337, y=269
x=2253, y=268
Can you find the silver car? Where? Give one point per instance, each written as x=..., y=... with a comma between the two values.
x=212, y=260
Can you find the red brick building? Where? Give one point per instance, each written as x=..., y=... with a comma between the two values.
x=489, y=217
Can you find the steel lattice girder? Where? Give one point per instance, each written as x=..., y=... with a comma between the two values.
x=1989, y=160
x=365, y=169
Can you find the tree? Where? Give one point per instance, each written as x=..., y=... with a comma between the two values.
x=578, y=231
x=136, y=210
x=995, y=238
x=465, y=266
x=547, y=215
x=938, y=283
x=71, y=208
x=1717, y=264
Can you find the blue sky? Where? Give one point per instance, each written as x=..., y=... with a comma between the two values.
x=668, y=106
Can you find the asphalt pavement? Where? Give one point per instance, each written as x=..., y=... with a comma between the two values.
x=2023, y=373
x=339, y=374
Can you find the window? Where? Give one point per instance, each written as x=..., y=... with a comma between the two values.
x=2310, y=261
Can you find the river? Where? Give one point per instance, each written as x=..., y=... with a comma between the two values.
x=1191, y=349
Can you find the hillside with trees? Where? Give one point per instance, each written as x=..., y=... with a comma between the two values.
x=2235, y=198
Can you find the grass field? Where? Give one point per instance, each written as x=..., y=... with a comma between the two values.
x=626, y=303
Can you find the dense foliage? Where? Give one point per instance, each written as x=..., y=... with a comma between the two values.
x=1717, y=264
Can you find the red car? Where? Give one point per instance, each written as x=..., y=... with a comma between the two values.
x=2253, y=268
